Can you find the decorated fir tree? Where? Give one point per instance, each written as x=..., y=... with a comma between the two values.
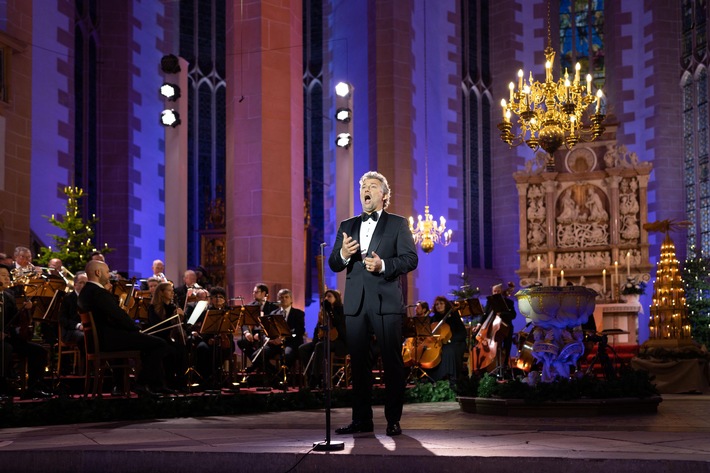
x=696, y=277
x=465, y=290
x=669, y=323
x=75, y=246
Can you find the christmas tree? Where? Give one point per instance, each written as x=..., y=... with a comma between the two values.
x=696, y=277
x=75, y=247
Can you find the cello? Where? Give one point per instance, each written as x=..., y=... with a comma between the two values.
x=425, y=352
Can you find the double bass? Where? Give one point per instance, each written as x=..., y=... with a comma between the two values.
x=485, y=349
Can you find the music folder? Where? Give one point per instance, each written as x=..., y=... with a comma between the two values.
x=197, y=311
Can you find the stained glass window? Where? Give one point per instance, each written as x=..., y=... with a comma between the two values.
x=696, y=112
x=582, y=37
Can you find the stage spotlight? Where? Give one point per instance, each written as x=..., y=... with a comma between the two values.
x=342, y=89
x=344, y=140
x=343, y=115
x=170, y=64
x=170, y=91
x=170, y=118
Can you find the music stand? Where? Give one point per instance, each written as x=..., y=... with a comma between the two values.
x=52, y=312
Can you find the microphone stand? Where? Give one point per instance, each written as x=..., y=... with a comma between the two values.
x=327, y=445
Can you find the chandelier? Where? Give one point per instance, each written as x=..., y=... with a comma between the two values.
x=548, y=114
x=427, y=231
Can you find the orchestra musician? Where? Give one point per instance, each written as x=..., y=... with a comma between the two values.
x=251, y=338
x=23, y=264
x=69, y=320
x=189, y=289
x=507, y=317
x=296, y=320
x=97, y=256
x=210, y=349
x=376, y=249
x=158, y=269
x=160, y=310
x=316, y=346
x=452, y=352
x=18, y=341
x=118, y=332
x=421, y=309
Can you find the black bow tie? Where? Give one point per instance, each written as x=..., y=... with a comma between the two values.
x=366, y=216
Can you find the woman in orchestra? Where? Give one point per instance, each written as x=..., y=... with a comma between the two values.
x=161, y=309
x=316, y=347
x=451, y=364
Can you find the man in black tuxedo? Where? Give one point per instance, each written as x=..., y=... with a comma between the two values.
x=252, y=337
x=118, y=332
x=376, y=248
x=296, y=320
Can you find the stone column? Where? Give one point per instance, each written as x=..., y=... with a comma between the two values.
x=265, y=200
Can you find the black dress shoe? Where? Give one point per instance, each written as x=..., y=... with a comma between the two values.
x=355, y=427
x=393, y=429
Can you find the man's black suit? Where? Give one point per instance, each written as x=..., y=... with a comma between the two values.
x=297, y=323
x=118, y=332
x=374, y=303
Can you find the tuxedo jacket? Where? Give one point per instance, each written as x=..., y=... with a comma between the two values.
x=297, y=323
x=393, y=242
x=111, y=321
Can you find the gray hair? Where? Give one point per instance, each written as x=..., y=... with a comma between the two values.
x=383, y=181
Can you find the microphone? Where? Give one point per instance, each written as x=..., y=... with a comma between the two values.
x=323, y=245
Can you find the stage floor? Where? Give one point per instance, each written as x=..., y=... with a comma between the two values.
x=436, y=437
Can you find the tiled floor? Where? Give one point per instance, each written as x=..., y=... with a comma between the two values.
x=437, y=437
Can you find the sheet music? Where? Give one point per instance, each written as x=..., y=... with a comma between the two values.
x=199, y=309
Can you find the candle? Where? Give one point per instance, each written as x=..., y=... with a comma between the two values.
x=628, y=263
x=577, y=67
x=511, y=86
x=551, y=276
x=615, y=282
x=502, y=104
x=520, y=79
x=562, y=277
x=538, y=267
x=599, y=100
x=589, y=84
x=603, y=281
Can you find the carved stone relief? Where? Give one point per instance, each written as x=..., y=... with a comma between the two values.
x=582, y=217
x=536, y=217
x=629, y=231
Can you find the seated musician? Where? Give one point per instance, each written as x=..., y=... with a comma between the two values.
x=288, y=346
x=506, y=316
x=160, y=310
x=118, y=332
x=189, y=290
x=17, y=338
x=251, y=338
x=69, y=320
x=451, y=365
x=211, y=350
x=313, y=351
x=23, y=263
x=421, y=309
x=158, y=269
